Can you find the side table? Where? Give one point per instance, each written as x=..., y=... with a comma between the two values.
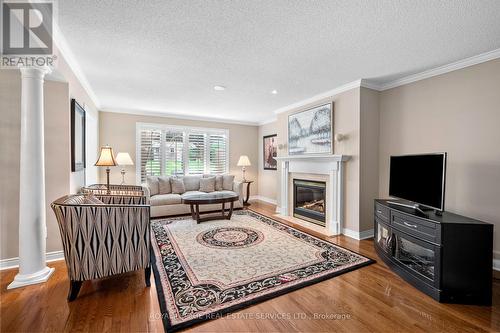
x=248, y=182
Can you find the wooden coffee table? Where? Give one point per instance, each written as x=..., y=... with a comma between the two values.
x=207, y=199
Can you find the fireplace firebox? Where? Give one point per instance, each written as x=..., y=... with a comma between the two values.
x=309, y=200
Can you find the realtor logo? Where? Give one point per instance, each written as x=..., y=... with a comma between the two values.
x=27, y=34
x=27, y=28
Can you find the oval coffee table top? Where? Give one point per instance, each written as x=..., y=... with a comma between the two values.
x=210, y=198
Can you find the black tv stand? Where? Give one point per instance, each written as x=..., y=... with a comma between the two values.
x=447, y=256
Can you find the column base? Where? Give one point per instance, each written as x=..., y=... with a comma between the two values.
x=22, y=280
x=333, y=229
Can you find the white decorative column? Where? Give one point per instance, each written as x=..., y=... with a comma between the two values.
x=32, y=227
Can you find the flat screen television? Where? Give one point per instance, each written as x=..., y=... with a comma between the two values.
x=419, y=178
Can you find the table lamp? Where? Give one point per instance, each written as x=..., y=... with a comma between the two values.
x=123, y=159
x=106, y=159
x=243, y=162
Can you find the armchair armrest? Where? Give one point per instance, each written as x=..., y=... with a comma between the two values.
x=118, y=194
x=147, y=192
x=238, y=188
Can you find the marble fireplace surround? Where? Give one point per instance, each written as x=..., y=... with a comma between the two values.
x=329, y=168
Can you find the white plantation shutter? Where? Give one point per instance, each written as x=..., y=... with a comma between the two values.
x=196, y=153
x=174, y=153
x=218, y=153
x=150, y=153
x=164, y=150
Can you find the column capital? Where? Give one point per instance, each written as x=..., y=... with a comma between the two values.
x=34, y=72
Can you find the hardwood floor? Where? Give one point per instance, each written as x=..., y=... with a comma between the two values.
x=370, y=299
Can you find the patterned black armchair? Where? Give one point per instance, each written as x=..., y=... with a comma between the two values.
x=102, y=238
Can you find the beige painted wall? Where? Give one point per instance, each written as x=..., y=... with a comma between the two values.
x=346, y=121
x=369, y=173
x=76, y=91
x=268, y=179
x=458, y=112
x=118, y=130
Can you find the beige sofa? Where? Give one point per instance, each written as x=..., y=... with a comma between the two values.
x=165, y=194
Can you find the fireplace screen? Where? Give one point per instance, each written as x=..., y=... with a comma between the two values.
x=309, y=200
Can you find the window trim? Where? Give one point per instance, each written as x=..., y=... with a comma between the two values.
x=139, y=126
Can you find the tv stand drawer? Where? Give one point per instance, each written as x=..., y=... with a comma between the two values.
x=416, y=227
x=382, y=213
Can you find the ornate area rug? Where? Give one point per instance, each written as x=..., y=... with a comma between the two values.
x=205, y=270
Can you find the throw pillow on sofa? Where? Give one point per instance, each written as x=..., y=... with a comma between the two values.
x=165, y=187
x=227, y=182
x=177, y=185
x=192, y=183
x=207, y=184
x=153, y=184
x=218, y=181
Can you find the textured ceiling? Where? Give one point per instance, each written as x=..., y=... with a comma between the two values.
x=166, y=56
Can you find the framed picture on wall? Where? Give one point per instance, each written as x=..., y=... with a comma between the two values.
x=270, y=152
x=77, y=136
x=311, y=131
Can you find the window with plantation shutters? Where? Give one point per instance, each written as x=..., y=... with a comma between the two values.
x=174, y=151
x=150, y=153
x=196, y=153
x=218, y=153
x=164, y=150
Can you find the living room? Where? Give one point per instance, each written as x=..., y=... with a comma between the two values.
x=250, y=166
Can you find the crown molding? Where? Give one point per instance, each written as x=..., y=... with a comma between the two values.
x=370, y=85
x=467, y=62
x=69, y=57
x=268, y=121
x=178, y=116
x=315, y=98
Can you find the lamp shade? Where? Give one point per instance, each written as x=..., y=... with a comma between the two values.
x=244, y=161
x=124, y=159
x=106, y=157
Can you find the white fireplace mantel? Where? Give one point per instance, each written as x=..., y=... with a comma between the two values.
x=331, y=165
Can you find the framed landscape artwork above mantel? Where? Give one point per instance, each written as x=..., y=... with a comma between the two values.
x=311, y=131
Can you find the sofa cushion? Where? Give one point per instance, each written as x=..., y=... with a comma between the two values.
x=165, y=199
x=226, y=192
x=227, y=182
x=165, y=187
x=191, y=193
x=192, y=183
x=207, y=184
x=177, y=185
x=153, y=184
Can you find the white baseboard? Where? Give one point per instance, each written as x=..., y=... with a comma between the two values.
x=14, y=262
x=263, y=198
x=496, y=264
x=358, y=235
x=496, y=260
